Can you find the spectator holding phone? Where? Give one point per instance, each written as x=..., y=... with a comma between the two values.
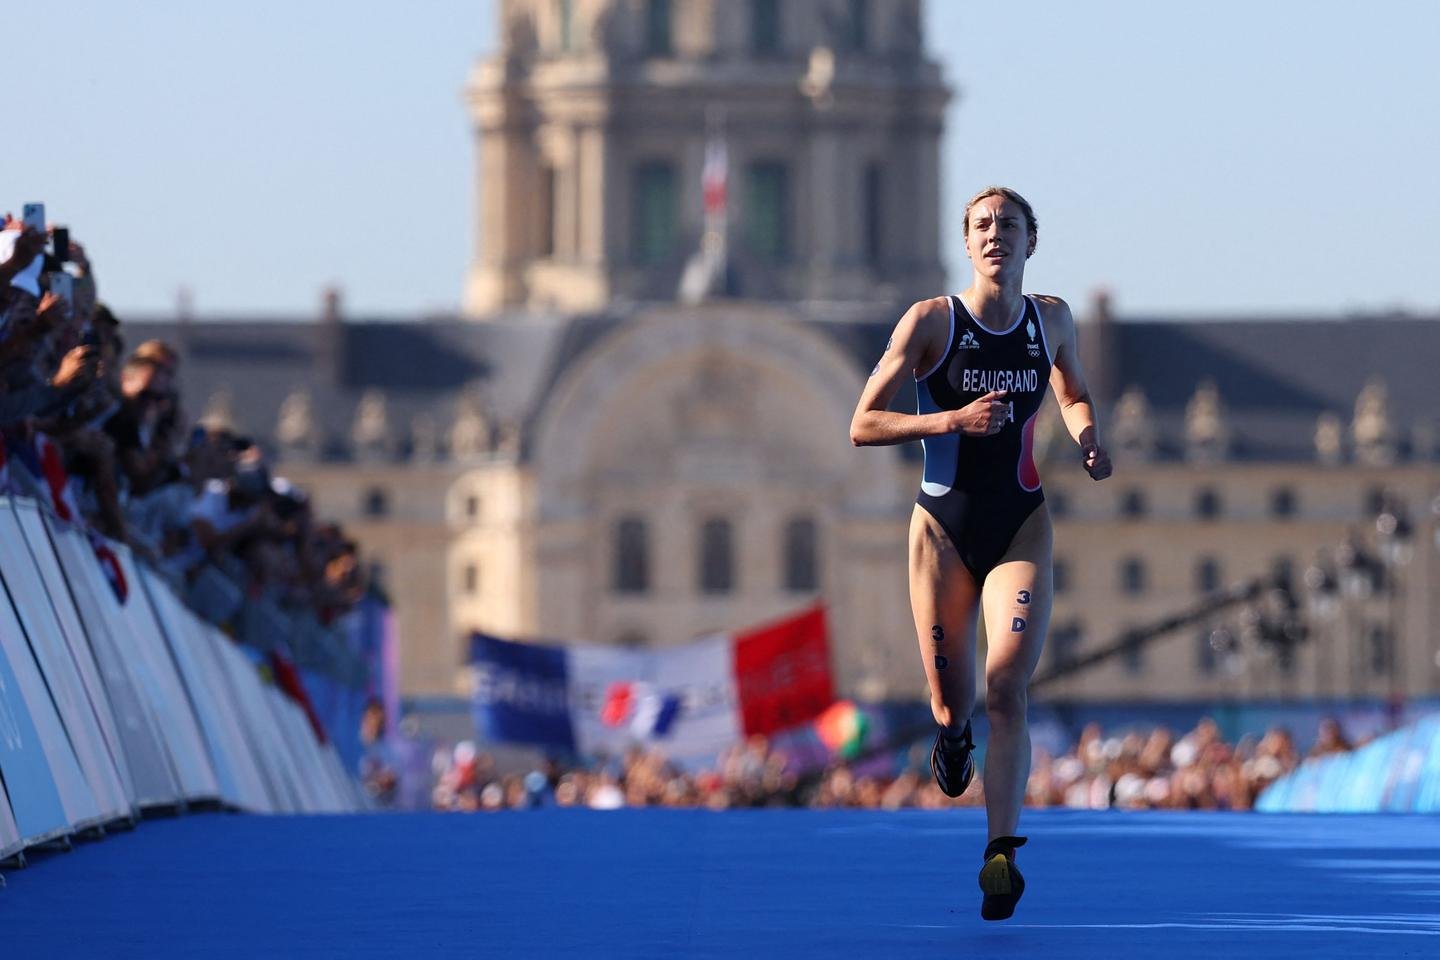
x=183, y=501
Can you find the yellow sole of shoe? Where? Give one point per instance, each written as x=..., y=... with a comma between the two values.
x=995, y=876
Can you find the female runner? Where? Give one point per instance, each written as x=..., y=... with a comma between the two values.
x=980, y=534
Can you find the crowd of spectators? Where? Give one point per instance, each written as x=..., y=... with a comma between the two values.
x=1155, y=769
x=184, y=496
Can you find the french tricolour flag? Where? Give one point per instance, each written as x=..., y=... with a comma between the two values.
x=691, y=700
x=715, y=176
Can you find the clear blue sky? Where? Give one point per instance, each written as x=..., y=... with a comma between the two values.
x=1193, y=158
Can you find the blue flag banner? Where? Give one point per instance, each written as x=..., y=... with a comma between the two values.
x=521, y=693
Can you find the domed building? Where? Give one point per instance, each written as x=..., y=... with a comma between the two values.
x=697, y=222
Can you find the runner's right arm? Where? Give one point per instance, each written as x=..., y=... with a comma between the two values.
x=918, y=342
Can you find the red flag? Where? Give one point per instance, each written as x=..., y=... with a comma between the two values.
x=52, y=465
x=782, y=672
x=715, y=176
x=287, y=678
x=110, y=565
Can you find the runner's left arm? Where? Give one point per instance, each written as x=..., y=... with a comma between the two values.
x=1067, y=379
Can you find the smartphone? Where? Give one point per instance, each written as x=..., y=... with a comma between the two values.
x=63, y=285
x=60, y=237
x=35, y=216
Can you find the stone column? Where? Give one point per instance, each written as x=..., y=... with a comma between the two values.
x=591, y=157
x=568, y=199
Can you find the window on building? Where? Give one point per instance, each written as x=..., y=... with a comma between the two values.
x=1132, y=576
x=1282, y=570
x=1282, y=503
x=472, y=507
x=1132, y=504
x=1060, y=572
x=858, y=24
x=631, y=562
x=656, y=211
x=632, y=640
x=1064, y=643
x=566, y=13
x=1381, y=645
x=765, y=26
x=1132, y=658
x=377, y=502
x=874, y=219
x=1286, y=659
x=1207, y=658
x=802, y=573
x=767, y=210
x=1207, y=504
x=717, y=557
x=545, y=215
x=1207, y=575
x=470, y=579
x=657, y=27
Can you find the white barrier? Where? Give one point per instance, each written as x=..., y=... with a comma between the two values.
x=42, y=553
x=270, y=746
x=141, y=640
x=33, y=795
x=10, y=842
x=145, y=749
x=38, y=594
x=192, y=642
x=108, y=707
x=76, y=797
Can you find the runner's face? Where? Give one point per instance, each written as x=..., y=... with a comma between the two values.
x=998, y=239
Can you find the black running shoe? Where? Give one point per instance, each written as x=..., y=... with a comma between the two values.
x=951, y=762
x=1000, y=879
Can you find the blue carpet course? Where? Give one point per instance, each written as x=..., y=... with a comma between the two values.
x=747, y=884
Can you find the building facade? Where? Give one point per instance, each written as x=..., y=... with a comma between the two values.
x=585, y=456
x=592, y=123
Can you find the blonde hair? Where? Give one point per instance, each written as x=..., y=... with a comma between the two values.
x=157, y=351
x=1033, y=227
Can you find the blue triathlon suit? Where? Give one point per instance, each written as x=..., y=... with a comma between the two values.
x=981, y=489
